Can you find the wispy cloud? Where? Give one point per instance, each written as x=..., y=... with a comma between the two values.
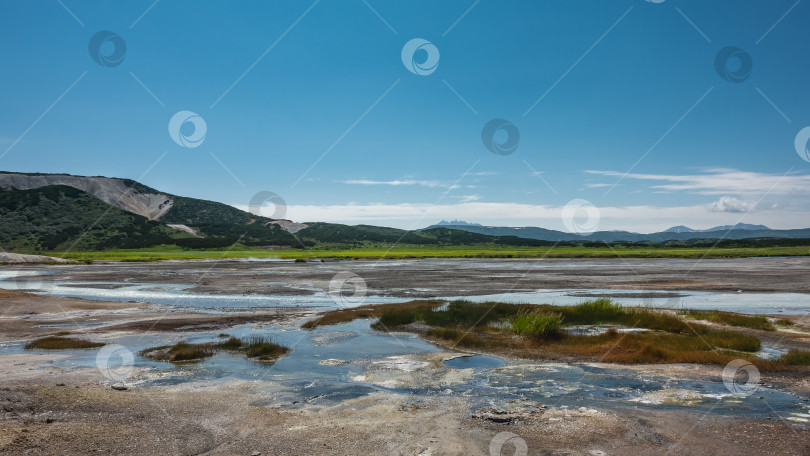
x=721, y=181
x=403, y=182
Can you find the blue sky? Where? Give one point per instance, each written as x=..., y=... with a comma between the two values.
x=618, y=103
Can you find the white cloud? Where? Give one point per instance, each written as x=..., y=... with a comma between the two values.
x=721, y=181
x=731, y=204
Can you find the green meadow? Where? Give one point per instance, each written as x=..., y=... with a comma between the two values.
x=172, y=252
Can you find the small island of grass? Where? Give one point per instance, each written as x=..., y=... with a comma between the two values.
x=61, y=343
x=256, y=348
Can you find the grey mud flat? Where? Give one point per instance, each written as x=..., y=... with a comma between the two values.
x=459, y=277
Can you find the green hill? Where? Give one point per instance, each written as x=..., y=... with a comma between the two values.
x=63, y=218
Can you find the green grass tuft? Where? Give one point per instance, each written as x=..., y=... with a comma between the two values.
x=537, y=324
x=231, y=344
x=264, y=349
x=593, y=312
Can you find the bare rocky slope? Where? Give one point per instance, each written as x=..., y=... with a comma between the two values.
x=115, y=192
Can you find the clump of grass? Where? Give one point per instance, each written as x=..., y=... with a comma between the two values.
x=231, y=344
x=187, y=352
x=796, y=357
x=784, y=322
x=537, y=324
x=468, y=314
x=592, y=312
x=731, y=319
x=181, y=352
x=61, y=343
x=651, y=319
x=263, y=349
x=335, y=317
x=398, y=318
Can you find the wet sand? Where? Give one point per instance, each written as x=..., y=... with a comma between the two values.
x=460, y=277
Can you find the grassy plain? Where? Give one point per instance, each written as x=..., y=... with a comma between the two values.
x=465, y=251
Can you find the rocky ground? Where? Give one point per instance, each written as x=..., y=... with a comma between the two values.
x=73, y=416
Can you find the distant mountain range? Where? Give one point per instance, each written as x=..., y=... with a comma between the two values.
x=456, y=223
x=676, y=233
x=739, y=226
